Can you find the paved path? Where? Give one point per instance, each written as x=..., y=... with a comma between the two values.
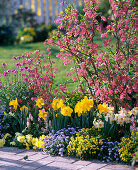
x=13, y=159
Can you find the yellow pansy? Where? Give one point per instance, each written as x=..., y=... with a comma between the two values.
x=42, y=137
x=40, y=102
x=29, y=138
x=12, y=143
x=34, y=140
x=6, y=135
x=2, y=142
x=27, y=146
x=21, y=139
x=14, y=103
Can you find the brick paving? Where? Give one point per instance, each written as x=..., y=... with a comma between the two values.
x=12, y=158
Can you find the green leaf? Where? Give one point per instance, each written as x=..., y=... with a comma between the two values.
x=26, y=157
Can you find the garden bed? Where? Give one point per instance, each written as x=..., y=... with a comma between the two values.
x=96, y=117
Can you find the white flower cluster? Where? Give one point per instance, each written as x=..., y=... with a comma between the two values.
x=121, y=117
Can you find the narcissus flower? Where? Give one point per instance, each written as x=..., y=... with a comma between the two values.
x=42, y=114
x=24, y=109
x=66, y=111
x=14, y=103
x=57, y=103
x=40, y=102
x=83, y=106
x=103, y=108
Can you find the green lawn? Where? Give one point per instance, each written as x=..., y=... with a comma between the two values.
x=7, y=52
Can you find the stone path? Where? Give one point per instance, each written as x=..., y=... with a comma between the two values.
x=14, y=159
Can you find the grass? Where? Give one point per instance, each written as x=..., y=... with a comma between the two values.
x=8, y=51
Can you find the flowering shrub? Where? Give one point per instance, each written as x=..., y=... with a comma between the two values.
x=127, y=147
x=56, y=143
x=85, y=145
x=110, y=75
x=109, y=152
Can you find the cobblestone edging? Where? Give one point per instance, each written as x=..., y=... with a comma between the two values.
x=12, y=158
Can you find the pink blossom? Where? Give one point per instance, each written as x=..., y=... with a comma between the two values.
x=74, y=78
x=36, y=52
x=85, y=1
x=48, y=49
x=4, y=64
x=103, y=35
x=5, y=73
x=62, y=3
x=103, y=18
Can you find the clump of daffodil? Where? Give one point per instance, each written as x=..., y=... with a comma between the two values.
x=84, y=106
x=24, y=109
x=103, y=108
x=14, y=103
x=40, y=102
x=42, y=114
x=65, y=110
x=57, y=103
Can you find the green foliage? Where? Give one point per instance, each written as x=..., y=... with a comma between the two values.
x=13, y=90
x=17, y=121
x=6, y=35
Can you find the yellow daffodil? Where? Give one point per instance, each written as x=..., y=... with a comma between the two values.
x=57, y=103
x=103, y=108
x=24, y=109
x=14, y=103
x=42, y=114
x=40, y=102
x=66, y=111
x=27, y=146
x=83, y=106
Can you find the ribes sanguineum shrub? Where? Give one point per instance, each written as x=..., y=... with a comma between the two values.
x=109, y=72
